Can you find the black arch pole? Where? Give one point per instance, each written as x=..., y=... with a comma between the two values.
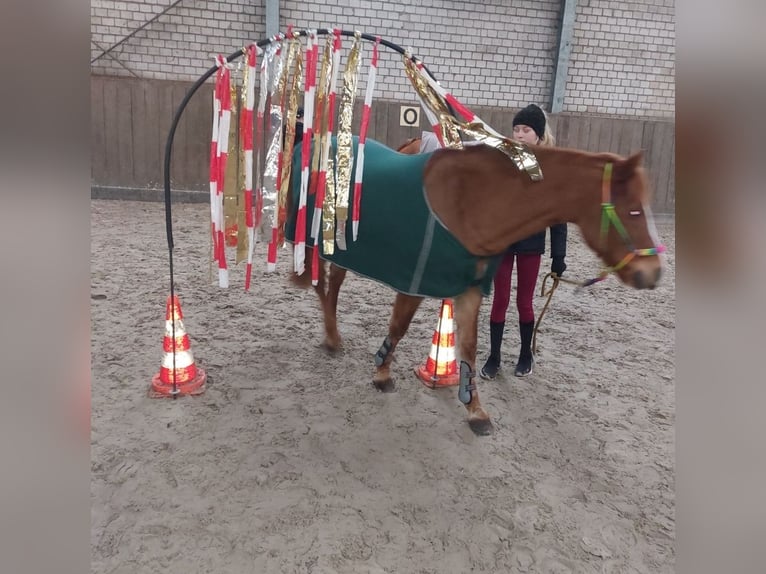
x=179, y=112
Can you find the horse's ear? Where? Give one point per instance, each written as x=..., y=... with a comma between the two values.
x=636, y=160
x=624, y=169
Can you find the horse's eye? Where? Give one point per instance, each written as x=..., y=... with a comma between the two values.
x=635, y=212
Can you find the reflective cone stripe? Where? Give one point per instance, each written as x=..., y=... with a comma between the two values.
x=182, y=339
x=182, y=343
x=447, y=366
x=173, y=311
x=443, y=339
x=186, y=370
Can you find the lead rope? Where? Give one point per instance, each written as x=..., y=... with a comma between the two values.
x=556, y=280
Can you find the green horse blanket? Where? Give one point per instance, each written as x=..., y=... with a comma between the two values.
x=400, y=243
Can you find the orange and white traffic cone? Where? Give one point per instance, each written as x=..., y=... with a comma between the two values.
x=440, y=369
x=178, y=375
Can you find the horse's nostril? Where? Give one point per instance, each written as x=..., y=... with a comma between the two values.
x=638, y=280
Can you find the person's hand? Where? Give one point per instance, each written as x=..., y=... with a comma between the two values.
x=558, y=266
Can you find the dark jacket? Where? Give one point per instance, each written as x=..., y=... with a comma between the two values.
x=298, y=133
x=536, y=243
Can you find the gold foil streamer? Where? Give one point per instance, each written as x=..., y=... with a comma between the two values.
x=521, y=155
x=328, y=213
x=296, y=59
x=344, y=152
x=322, y=103
x=271, y=159
x=259, y=143
x=451, y=128
x=231, y=181
x=435, y=102
x=284, y=77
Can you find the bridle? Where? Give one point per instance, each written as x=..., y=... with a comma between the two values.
x=609, y=218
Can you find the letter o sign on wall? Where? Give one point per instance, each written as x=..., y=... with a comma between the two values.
x=409, y=116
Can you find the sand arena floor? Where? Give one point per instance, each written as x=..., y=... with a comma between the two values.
x=292, y=462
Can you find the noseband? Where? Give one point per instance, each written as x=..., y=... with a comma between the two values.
x=609, y=218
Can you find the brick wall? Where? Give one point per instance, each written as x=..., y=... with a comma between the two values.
x=180, y=45
x=623, y=58
x=489, y=53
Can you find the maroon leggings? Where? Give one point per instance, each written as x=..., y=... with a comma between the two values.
x=527, y=268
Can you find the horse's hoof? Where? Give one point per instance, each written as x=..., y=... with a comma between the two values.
x=331, y=348
x=481, y=427
x=386, y=386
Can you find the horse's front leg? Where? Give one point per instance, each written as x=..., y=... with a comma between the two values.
x=467, y=318
x=405, y=307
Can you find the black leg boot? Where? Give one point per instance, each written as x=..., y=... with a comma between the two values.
x=492, y=366
x=526, y=360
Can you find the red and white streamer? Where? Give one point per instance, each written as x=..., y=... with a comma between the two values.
x=316, y=224
x=222, y=109
x=247, y=145
x=363, y=138
x=299, y=253
x=223, y=156
x=214, y=161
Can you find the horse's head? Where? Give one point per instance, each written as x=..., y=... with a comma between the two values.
x=622, y=233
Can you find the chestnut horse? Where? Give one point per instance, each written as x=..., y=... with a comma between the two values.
x=487, y=203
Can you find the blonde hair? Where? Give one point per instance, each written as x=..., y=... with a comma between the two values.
x=548, y=137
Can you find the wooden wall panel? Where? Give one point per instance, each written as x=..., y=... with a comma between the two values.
x=130, y=120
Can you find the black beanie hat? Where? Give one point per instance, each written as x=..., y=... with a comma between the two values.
x=531, y=116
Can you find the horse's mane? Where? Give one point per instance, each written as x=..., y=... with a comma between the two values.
x=567, y=156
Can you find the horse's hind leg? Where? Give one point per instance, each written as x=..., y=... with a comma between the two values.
x=405, y=307
x=332, y=340
x=304, y=281
x=467, y=316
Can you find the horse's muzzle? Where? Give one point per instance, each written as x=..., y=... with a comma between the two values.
x=643, y=279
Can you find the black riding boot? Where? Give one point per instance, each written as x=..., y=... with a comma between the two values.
x=526, y=360
x=492, y=366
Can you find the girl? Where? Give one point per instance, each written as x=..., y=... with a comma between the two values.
x=530, y=126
